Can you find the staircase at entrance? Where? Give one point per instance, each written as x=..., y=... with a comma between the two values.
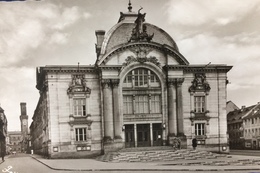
x=150, y=154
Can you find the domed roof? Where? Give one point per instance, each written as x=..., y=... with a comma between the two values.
x=125, y=31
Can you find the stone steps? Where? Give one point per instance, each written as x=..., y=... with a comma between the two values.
x=152, y=154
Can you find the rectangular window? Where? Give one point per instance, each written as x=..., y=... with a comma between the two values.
x=199, y=129
x=155, y=104
x=128, y=104
x=81, y=134
x=199, y=104
x=128, y=81
x=141, y=77
x=79, y=107
x=141, y=104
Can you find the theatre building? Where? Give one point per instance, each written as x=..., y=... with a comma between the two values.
x=141, y=92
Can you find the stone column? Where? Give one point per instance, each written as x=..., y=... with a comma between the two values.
x=118, y=121
x=135, y=132
x=179, y=104
x=172, y=117
x=151, y=133
x=108, y=109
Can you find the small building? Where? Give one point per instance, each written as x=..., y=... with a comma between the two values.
x=251, y=126
x=15, y=141
x=141, y=92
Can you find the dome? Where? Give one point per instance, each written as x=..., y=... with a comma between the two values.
x=123, y=33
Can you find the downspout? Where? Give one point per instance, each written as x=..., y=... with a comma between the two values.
x=218, y=113
x=101, y=109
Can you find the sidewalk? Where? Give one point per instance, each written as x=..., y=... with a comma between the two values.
x=235, y=162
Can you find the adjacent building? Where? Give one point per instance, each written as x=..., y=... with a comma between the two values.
x=141, y=92
x=235, y=127
x=231, y=106
x=251, y=128
x=244, y=127
x=14, y=141
x=3, y=129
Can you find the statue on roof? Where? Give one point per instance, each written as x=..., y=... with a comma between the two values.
x=139, y=32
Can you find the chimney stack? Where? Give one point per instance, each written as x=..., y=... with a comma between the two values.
x=100, y=34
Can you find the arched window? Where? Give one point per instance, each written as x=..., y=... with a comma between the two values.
x=141, y=77
x=141, y=92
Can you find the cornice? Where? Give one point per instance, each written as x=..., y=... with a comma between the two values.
x=69, y=69
x=199, y=68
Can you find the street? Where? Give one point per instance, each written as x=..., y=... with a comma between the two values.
x=23, y=163
x=246, y=152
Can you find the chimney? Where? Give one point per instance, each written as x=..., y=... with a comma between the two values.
x=23, y=108
x=100, y=34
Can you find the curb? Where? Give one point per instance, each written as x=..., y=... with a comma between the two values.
x=178, y=169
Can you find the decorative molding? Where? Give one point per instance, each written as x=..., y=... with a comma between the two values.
x=75, y=120
x=78, y=85
x=175, y=81
x=115, y=82
x=155, y=46
x=131, y=59
x=106, y=83
x=199, y=83
x=200, y=117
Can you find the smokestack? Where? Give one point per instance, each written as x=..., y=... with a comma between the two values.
x=100, y=34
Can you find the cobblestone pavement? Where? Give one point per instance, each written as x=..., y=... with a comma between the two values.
x=161, y=160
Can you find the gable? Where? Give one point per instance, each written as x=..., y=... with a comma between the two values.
x=144, y=52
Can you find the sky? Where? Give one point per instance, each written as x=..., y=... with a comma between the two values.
x=62, y=32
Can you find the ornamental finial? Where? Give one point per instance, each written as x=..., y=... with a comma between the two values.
x=129, y=6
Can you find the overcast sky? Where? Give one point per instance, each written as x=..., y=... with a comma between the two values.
x=62, y=32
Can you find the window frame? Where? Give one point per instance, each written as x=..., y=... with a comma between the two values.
x=77, y=107
x=200, y=131
x=80, y=137
x=199, y=103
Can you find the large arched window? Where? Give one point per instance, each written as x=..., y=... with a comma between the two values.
x=141, y=77
x=141, y=92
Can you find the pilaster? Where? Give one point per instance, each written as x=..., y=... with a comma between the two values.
x=108, y=110
x=172, y=122
x=118, y=120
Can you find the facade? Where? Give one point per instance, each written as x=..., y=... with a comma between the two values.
x=24, y=128
x=141, y=92
x=15, y=141
x=3, y=130
x=251, y=127
x=244, y=127
x=235, y=127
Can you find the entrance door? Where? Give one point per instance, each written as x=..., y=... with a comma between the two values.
x=157, y=134
x=143, y=135
x=129, y=136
